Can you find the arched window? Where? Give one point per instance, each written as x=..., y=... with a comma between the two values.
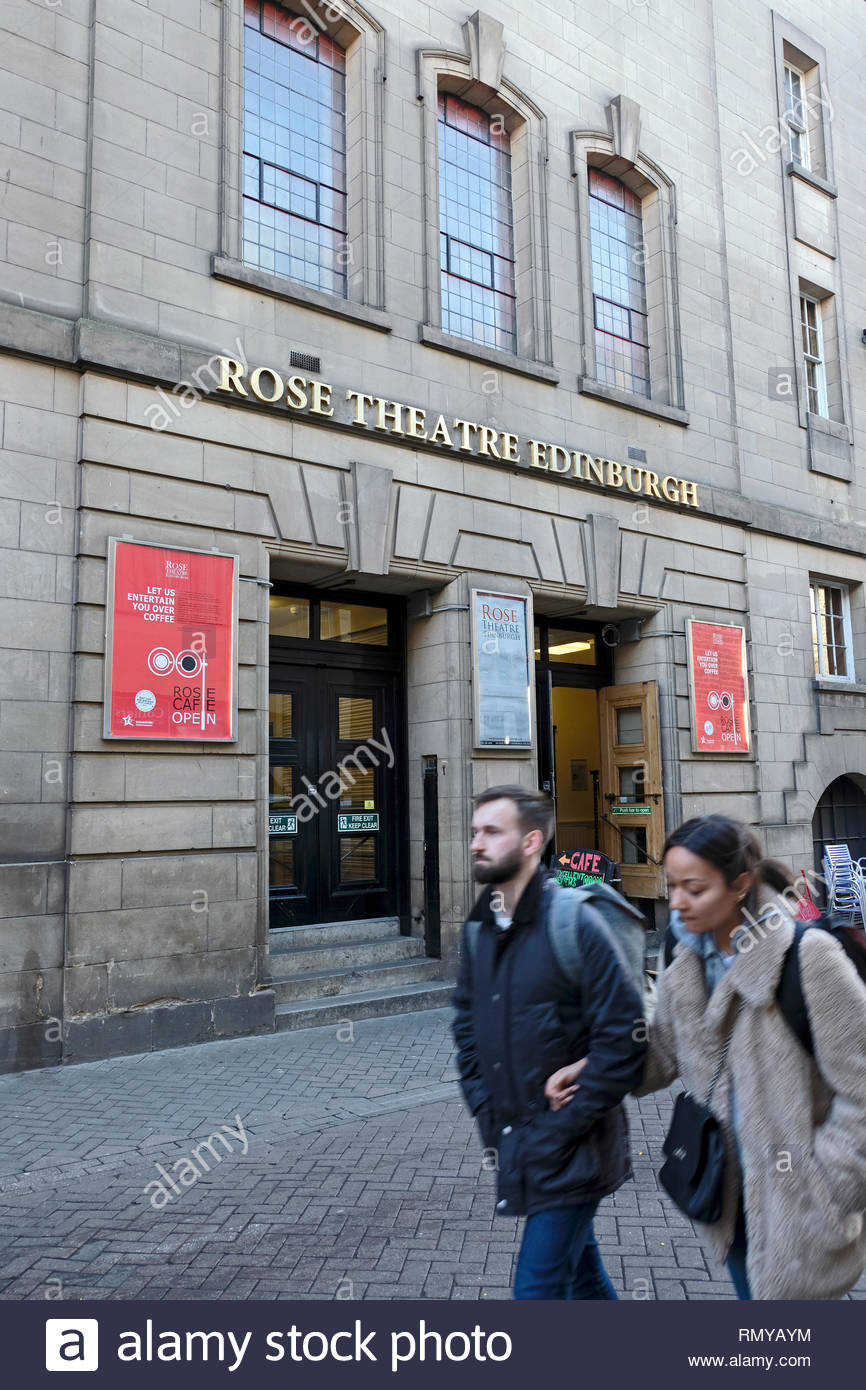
x=294, y=187
x=618, y=285
x=476, y=231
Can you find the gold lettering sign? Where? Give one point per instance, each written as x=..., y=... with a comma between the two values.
x=411, y=422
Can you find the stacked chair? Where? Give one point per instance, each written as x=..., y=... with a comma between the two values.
x=846, y=884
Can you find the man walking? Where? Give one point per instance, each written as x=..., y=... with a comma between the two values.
x=518, y=1019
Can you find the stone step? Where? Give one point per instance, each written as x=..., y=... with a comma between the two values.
x=376, y=1003
x=331, y=933
x=345, y=955
x=330, y=984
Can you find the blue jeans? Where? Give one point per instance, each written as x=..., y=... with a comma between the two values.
x=737, y=1256
x=559, y=1257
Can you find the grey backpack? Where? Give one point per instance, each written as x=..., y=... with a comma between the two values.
x=564, y=909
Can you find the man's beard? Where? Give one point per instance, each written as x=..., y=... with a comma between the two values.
x=499, y=871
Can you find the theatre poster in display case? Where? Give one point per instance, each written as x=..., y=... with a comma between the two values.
x=502, y=670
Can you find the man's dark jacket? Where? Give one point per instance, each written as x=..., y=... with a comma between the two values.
x=518, y=1018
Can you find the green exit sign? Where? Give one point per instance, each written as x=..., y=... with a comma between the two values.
x=282, y=825
x=631, y=810
x=357, y=820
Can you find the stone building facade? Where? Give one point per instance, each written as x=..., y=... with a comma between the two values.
x=561, y=307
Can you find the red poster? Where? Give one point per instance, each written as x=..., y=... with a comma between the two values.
x=718, y=681
x=170, y=643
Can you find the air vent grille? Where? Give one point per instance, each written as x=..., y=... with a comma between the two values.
x=306, y=362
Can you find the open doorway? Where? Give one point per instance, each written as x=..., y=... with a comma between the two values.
x=577, y=763
x=599, y=756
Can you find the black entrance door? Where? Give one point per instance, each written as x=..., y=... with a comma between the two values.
x=336, y=762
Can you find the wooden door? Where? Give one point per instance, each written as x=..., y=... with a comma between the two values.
x=632, y=806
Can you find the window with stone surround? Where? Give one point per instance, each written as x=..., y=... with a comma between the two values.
x=302, y=207
x=832, y=644
x=618, y=284
x=630, y=336
x=486, y=260
x=820, y=360
x=806, y=107
x=294, y=149
x=476, y=225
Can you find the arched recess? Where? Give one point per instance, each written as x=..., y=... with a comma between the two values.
x=619, y=155
x=476, y=77
x=840, y=817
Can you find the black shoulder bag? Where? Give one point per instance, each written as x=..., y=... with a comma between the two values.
x=693, y=1171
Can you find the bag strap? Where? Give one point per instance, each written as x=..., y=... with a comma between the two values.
x=668, y=948
x=789, y=994
x=720, y=1065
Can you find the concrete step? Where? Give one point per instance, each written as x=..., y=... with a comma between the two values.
x=331, y=933
x=348, y=955
x=329, y=984
x=377, y=1003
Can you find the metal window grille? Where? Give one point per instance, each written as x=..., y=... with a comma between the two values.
x=476, y=225
x=619, y=285
x=830, y=629
x=294, y=184
x=813, y=356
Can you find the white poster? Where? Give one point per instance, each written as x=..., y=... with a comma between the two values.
x=502, y=670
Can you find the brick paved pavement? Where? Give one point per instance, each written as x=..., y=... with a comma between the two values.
x=362, y=1178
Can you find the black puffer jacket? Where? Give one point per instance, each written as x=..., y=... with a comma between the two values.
x=517, y=1020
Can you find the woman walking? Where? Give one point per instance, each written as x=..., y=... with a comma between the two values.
x=793, y=1176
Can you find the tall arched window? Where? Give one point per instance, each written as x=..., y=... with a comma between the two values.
x=294, y=218
x=618, y=285
x=476, y=225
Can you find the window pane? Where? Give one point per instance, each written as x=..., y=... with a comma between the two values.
x=629, y=725
x=633, y=841
x=475, y=223
x=357, y=858
x=290, y=617
x=359, y=789
x=619, y=285
x=282, y=861
x=354, y=718
x=828, y=630
x=576, y=648
x=354, y=622
x=632, y=783
x=281, y=783
x=279, y=714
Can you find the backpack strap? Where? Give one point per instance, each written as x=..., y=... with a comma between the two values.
x=789, y=995
x=563, y=915
x=473, y=929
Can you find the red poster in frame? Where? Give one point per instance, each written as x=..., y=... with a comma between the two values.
x=170, y=643
x=718, y=688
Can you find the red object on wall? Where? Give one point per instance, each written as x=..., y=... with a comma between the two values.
x=171, y=643
x=719, y=687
